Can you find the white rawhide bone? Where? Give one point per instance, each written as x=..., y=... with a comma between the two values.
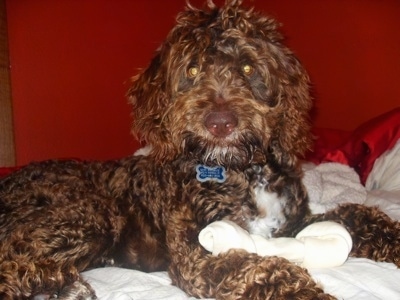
x=319, y=245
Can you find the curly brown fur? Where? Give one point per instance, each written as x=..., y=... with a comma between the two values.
x=221, y=91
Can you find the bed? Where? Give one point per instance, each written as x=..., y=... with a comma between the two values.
x=361, y=167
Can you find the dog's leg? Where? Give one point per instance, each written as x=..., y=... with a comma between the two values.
x=45, y=252
x=241, y=275
x=79, y=290
x=375, y=235
x=24, y=279
x=235, y=274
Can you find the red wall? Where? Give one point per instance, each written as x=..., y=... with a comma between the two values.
x=71, y=62
x=351, y=49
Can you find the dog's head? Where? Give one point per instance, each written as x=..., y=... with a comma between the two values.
x=223, y=88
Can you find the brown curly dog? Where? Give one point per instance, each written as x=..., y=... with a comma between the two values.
x=222, y=97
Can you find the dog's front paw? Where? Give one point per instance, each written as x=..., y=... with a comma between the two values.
x=79, y=290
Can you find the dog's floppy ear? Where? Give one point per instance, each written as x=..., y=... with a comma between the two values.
x=150, y=102
x=293, y=131
x=151, y=91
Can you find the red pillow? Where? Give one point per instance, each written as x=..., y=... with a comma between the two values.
x=365, y=144
x=326, y=140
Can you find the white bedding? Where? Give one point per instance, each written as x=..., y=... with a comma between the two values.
x=328, y=185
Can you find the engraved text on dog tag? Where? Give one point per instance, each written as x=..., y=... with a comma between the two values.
x=205, y=173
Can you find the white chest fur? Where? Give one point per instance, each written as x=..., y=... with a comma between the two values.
x=270, y=207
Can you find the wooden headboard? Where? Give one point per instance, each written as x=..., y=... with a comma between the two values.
x=7, y=149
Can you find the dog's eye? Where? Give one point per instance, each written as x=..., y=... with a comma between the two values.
x=247, y=69
x=192, y=72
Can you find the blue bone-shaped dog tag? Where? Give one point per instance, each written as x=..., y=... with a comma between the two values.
x=205, y=173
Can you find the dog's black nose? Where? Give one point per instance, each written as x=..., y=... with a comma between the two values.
x=221, y=123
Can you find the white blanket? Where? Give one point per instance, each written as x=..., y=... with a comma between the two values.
x=328, y=185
